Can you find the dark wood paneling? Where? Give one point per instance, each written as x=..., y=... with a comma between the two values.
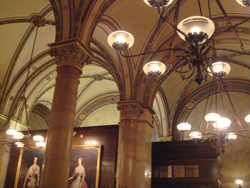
x=106, y=136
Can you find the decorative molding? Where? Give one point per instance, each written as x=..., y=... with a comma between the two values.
x=71, y=53
x=131, y=109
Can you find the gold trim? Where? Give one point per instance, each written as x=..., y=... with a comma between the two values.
x=98, y=147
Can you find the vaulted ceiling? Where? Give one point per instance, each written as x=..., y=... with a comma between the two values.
x=111, y=77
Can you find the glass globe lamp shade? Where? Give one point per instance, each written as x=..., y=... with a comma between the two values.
x=199, y=27
x=40, y=144
x=19, y=144
x=239, y=182
x=247, y=118
x=222, y=123
x=154, y=68
x=184, y=127
x=231, y=136
x=244, y=3
x=11, y=132
x=18, y=135
x=38, y=138
x=212, y=117
x=120, y=40
x=195, y=135
x=219, y=69
x=158, y=3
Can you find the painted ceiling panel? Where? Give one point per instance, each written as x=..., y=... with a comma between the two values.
x=93, y=89
x=106, y=115
x=45, y=36
x=11, y=35
x=13, y=8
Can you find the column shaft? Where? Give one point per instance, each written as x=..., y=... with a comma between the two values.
x=134, y=147
x=57, y=156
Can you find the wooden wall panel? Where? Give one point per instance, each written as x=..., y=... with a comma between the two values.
x=106, y=136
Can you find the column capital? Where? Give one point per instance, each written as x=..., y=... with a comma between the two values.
x=130, y=109
x=70, y=53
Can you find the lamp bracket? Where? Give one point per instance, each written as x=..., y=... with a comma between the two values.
x=246, y=2
x=196, y=37
x=120, y=46
x=158, y=3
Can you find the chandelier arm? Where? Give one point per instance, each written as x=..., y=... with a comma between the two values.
x=183, y=76
x=181, y=65
x=174, y=27
x=228, y=21
x=231, y=102
x=147, y=53
x=228, y=29
x=229, y=50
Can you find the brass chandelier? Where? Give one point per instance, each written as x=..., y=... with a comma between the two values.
x=197, y=31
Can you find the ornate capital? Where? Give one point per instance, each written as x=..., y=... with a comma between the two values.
x=71, y=52
x=130, y=110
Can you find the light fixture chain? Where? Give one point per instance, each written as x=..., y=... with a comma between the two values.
x=203, y=115
x=231, y=102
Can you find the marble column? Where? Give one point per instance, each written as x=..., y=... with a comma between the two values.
x=134, y=145
x=70, y=57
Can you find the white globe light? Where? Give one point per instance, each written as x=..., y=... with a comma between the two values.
x=184, y=127
x=231, y=136
x=239, y=182
x=120, y=40
x=219, y=69
x=212, y=117
x=19, y=144
x=18, y=135
x=244, y=3
x=247, y=118
x=40, y=144
x=160, y=3
x=154, y=68
x=196, y=24
x=38, y=138
x=222, y=123
x=195, y=135
x=11, y=132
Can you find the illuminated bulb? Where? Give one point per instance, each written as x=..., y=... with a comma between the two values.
x=212, y=117
x=247, y=118
x=154, y=68
x=184, y=127
x=239, y=182
x=219, y=69
x=196, y=30
x=40, y=144
x=19, y=144
x=120, y=39
x=195, y=135
x=38, y=138
x=18, y=135
x=231, y=136
x=222, y=123
x=11, y=132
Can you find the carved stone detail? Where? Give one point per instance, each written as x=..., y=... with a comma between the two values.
x=71, y=54
x=130, y=112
